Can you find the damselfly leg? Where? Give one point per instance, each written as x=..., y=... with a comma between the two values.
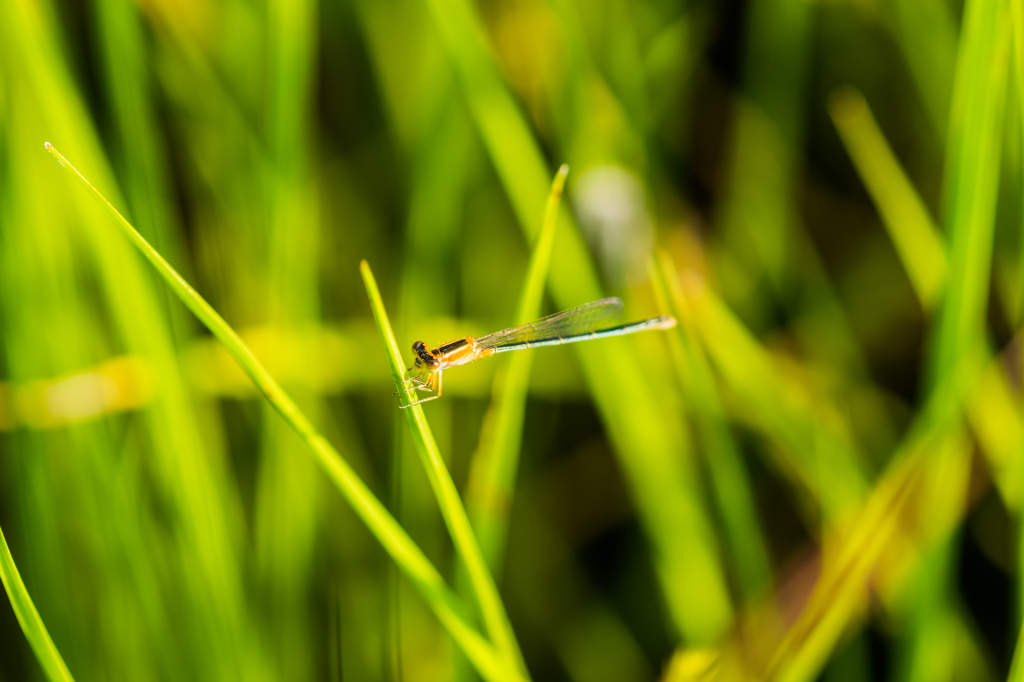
x=427, y=386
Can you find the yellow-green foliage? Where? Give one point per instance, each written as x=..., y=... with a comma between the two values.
x=816, y=474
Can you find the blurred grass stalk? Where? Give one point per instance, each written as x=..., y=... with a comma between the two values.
x=390, y=534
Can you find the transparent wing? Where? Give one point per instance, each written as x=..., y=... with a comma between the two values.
x=566, y=323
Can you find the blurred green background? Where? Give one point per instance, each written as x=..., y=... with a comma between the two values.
x=816, y=475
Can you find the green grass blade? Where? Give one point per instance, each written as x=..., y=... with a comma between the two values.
x=31, y=624
x=495, y=618
x=733, y=491
x=923, y=253
x=493, y=470
x=391, y=535
x=905, y=216
x=647, y=437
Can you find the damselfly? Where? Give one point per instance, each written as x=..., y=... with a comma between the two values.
x=568, y=326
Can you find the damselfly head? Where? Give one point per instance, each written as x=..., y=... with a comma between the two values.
x=424, y=356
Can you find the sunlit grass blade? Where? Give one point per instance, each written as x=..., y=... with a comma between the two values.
x=733, y=492
x=903, y=213
x=494, y=466
x=376, y=517
x=31, y=624
x=484, y=588
x=647, y=436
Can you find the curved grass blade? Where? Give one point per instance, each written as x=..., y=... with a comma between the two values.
x=406, y=554
x=493, y=469
x=31, y=624
x=455, y=517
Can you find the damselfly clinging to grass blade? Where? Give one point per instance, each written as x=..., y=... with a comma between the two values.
x=568, y=326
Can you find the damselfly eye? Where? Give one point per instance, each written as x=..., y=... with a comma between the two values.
x=427, y=356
